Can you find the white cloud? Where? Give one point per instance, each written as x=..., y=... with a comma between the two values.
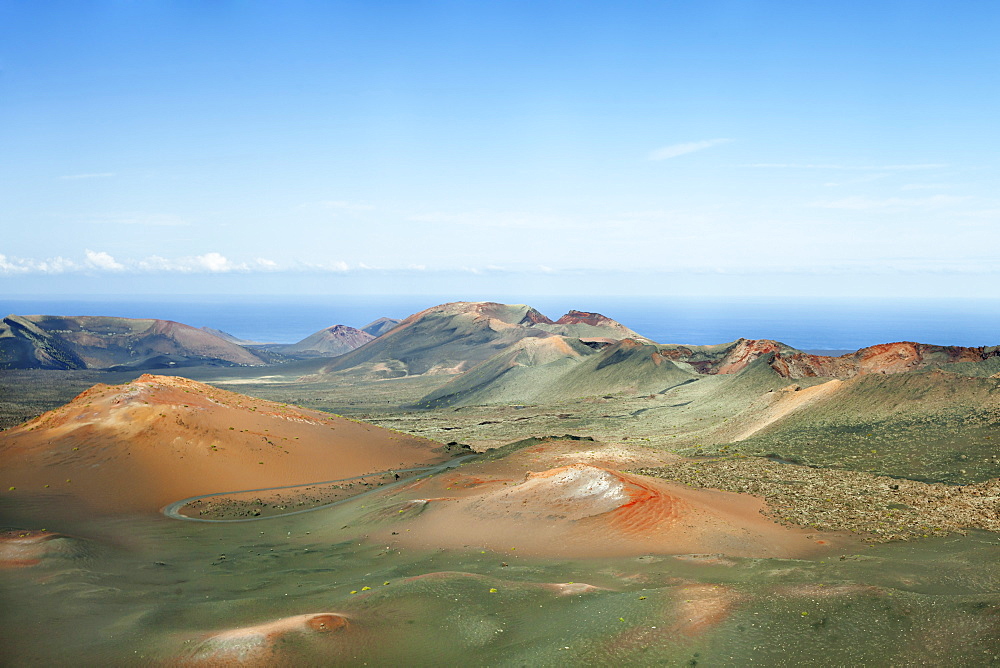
x=102, y=260
x=58, y=265
x=919, y=261
x=336, y=265
x=214, y=262
x=675, y=150
x=154, y=263
x=19, y=265
x=12, y=265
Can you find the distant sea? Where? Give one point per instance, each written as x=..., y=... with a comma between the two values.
x=807, y=324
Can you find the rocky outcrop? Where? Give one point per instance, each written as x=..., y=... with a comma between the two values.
x=592, y=327
x=727, y=358
x=586, y=318
x=454, y=337
x=744, y=352
x=533, y=317
x=885, y=358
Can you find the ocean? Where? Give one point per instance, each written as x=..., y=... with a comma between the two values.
x=815, y=324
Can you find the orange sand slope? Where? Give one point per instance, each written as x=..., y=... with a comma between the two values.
x=579, y=510
x=158, y=439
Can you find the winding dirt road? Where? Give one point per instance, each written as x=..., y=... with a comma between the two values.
x=173, y=510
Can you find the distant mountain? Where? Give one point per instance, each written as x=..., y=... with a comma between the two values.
x=724, y=358
x=586, y=325
x=885, y=358
x=452, y=338
x=559, y=369
x=541, y=370
x=96, y=342
x=381, y=326
x=332, y=341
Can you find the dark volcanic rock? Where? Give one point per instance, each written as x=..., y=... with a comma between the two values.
x=585, y=318
x=885, y=358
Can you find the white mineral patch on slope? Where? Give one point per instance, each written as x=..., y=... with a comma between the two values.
x=569, y=493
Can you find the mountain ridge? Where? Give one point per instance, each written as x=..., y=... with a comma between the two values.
x=101, y=342
x=335, y=340
x=454, y=337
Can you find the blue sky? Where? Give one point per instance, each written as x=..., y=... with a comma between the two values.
x=759, y=148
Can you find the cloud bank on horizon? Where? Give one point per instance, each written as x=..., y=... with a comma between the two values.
x=259, y=142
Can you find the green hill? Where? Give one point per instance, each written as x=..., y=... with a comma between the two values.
x=560, y=369
x=930, y=425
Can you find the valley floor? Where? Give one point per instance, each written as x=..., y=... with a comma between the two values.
x=862, y=489
x=609, y=547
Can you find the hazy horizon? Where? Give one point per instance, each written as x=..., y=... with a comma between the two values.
x=806, y=323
